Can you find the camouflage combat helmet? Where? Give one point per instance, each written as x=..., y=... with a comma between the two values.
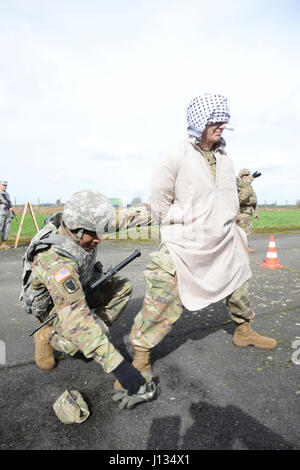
x=70, y=407
x=244, y=172
x=88, y=210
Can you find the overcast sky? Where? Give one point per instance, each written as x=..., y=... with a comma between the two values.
x=93, y=92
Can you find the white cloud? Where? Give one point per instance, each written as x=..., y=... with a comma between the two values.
x=94, y=92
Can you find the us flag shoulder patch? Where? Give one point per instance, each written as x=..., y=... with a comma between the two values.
x=62, y=274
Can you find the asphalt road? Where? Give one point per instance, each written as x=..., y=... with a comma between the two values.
x=212, y=395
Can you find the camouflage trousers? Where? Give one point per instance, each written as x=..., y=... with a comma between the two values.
x=245, y=222
x=5, y=221
x=162, y=305
x=78, y=330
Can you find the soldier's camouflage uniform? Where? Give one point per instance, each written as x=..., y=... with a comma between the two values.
x=5, y=215
x=162, y=305
x=248, y=204
x=57, y=286
x=133, y=217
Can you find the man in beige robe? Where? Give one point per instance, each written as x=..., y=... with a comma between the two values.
x=203, y=256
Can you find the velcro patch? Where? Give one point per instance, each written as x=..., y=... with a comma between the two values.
x=62, y=274
x=70, y=285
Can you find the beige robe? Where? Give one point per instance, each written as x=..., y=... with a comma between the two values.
x=196, y=216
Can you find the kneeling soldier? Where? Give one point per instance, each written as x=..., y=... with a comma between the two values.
x=58, y=264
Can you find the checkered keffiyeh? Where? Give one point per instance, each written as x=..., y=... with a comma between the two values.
x=204, y=110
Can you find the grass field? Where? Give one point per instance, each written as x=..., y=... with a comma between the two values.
x=270, y=220
x=28, y=229
x=277, y=220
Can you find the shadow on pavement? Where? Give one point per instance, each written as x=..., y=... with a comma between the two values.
x=214, y=427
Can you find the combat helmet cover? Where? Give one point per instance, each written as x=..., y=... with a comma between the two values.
x=244, y=172
x=88, y=210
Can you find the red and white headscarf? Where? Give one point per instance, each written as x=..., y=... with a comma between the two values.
x=204, y=110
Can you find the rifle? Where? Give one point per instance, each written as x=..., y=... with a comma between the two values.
x=14, y=216
x=95, y=284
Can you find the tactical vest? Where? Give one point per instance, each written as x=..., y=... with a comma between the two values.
x=48, y=237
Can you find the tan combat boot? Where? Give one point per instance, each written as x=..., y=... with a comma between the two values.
x=245, y=336
x=44, y=356
x=141, y=362
x=3, y=246
x=250, y=250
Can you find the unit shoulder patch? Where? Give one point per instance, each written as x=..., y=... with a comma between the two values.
x=70, y=285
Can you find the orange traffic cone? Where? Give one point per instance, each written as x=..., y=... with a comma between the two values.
x=271, y=257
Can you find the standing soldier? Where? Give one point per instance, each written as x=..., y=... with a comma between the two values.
x=248, y=202
x=203, y=256
x=6, y=210
x=59, y=264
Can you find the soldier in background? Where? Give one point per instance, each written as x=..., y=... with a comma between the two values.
x=6, y=211
x=58, y=265
x=248, y=202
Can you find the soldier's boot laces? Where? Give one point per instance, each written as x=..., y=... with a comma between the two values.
x=3, y=246
x=44, y=356
x=141, y=362
x=245, y=336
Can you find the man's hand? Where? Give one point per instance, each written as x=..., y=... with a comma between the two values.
x=256, y=174
x=256, y=216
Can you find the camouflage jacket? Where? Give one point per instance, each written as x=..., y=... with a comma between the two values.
x=247, y=196
x=4, y=197
x=52, y=248
x=52, y=244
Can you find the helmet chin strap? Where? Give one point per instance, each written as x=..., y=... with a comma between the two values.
x=79, y=235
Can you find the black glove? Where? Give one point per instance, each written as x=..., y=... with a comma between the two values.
x=256, y=174
x=129, y=377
